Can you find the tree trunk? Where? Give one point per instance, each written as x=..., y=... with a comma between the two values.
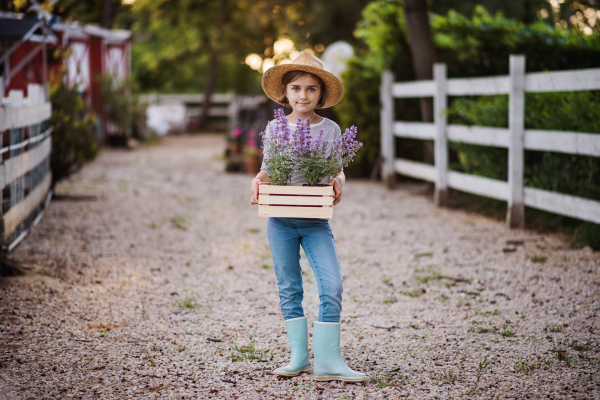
x=423, y=55
x=215, y=59
x=107, y=14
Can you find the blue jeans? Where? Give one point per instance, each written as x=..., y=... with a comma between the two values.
x=285, y=237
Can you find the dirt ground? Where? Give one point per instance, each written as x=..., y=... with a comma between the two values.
x=150, y=276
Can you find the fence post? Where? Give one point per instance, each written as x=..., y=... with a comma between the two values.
x=515, y=216
x=388, y=148
x=440, y=120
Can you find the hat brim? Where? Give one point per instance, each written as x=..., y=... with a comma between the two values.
x=272, y=83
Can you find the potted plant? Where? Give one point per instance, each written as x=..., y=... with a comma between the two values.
x=252, y=154
x=234, y=141
x=315, y=157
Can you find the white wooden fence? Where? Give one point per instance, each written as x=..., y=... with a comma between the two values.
x=25, y=176
x=225, y=105
x=515, y=138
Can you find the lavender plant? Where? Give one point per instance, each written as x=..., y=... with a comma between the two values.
x=317, y=158
x=280, y=150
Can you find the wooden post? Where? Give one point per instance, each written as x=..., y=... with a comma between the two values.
x=232, y=111
x=388, y=148
x=45, y=63
x=440, y=120
x=515, y=216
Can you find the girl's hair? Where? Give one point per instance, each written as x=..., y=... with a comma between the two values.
x=291, y=77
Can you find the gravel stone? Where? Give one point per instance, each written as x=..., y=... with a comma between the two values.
x=151, y=267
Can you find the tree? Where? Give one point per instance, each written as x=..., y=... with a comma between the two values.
x=107, y=14
x=423, y=56
x=215, y=58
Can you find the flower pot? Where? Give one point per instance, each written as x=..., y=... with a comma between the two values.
x=295, y=201
x=252, y=164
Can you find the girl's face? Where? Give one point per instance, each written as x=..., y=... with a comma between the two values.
x=303, y=93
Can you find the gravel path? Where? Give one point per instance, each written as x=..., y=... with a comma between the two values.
x=152, y=269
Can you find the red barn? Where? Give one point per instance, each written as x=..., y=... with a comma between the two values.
x=95, y=52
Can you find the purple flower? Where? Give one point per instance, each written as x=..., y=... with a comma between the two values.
x=314, y=156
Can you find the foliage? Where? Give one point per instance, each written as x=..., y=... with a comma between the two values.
x=239, y=353
x=521, y=10
x=317, y=158
x=480, y=370
x=563, y=14
x=480, y=45
x=360, y=106
x=383, y=29
x=564, y=173
x=280, y=149
x=120, y=107
x=184, y=34
x=73, y=142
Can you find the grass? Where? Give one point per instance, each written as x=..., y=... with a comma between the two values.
x=507, y=332
x=575, y=345
x=524, y=367
x=414, y=293
x=562, y=355
x=246, y=352
x=179, y=223
x=430, y=274
x=538, y=258
x=480, y=370
x=528, y=368
x=385, y=380
x=486, y=330
x=266, y=266
x=555, y=328
x=181, y=348
x=495, y=312
x=390, y=379
x=187, y=301
x=451, y=377
x=390, y=300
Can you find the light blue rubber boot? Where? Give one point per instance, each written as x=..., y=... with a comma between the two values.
x=329, y=365
x=297, y=331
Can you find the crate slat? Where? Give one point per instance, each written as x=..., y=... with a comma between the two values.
x=293, y=189
x=295, y=212
x=295, y=200
x=288, y=201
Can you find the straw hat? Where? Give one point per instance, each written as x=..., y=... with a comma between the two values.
x=273, y=77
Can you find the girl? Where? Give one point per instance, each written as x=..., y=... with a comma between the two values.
x=304, y=85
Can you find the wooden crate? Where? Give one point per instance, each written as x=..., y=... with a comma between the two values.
x=295, y=201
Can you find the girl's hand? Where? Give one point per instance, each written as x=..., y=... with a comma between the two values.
x=254, y=194
x=337, y=189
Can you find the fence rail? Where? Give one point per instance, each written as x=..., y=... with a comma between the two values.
x=223, y=105
x=25, y=147
x=515, y=138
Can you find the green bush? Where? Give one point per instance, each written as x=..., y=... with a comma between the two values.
x=564, y=173
x=73, y=142
x=480, y=46
x=120, y=107
x=361, y=108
